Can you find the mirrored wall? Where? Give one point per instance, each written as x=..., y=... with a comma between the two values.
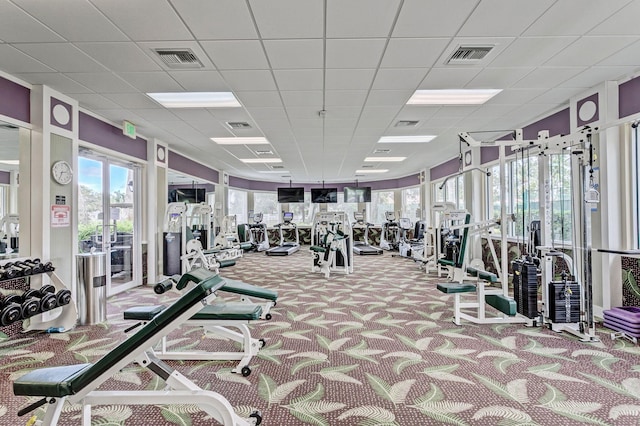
x=9, y=191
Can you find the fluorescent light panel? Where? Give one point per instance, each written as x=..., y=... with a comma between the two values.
x=452, y=97
x=241, y=141
x=196, y=99
x=407, y=139
x=261, y=160
x=384, y=159
x=367, y=171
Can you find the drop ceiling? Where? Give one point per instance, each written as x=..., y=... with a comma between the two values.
x=359, y=61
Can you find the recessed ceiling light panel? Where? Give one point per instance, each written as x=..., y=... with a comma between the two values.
x=241, y=141
x=407, y=139
x=196, y=99
x=452, y=97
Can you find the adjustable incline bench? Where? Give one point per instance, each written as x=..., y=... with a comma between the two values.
x=78, y=383
x=215, y=318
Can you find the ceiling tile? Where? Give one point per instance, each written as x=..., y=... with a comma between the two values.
x=303, y=98
x=388, y=97
x=596, y=75
x=500, y=18
x=200, y=81
x=63, y=57
x=102, y=82
x=18, y=26
x=547, y=77
x=393, y=79
x=13, y=61
x=361, y=53
x=259, y=99
x=306, y=79
x=349, y=79
x=159, y=116
x=589, y=50
x=249, y=79
x=624, y=57
x=93, y=101
x=514, y=96
x=289, y=18
x=345, y=98
x=431, y=18
x=297, y=113
x=497, y=78
x=556, y=96
x=267, y=113
x=236, y=54
x=56, y=81
x=573, y=17
x=149, y=82
x=86, y=23
x=164, y=25
x=295, y=53
x=217, y=20
x=448, y=78
x=120, y=56
x=345, y=18
x=530, y=51
x=413, y=52
x=622, y=22
x=132, y=100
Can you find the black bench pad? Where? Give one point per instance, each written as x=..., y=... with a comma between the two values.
x=53, y=381
x=239, y=287
x=502, y=303
x=229, y=311
x=143, y=313
x=483, y=275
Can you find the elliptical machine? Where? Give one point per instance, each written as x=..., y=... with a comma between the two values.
x=390, y=236
x=258, y=233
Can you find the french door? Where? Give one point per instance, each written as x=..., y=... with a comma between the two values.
x=109, y=217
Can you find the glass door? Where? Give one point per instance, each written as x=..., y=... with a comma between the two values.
x=108, y=218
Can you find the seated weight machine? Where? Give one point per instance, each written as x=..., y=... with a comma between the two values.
x=331, y=246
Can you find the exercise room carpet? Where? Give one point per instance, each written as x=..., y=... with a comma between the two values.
x=373, y=348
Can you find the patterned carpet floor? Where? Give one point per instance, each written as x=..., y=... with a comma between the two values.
x=376, y=347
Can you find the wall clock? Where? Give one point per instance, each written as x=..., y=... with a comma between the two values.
x=61, y=172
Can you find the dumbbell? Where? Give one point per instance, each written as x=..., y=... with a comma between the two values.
x=21, y=270
x=44, y=299
x=35, y=264
x=10, y=310
x=48, y=267
x=26, y=268
x=7, y=273
x=63, y=297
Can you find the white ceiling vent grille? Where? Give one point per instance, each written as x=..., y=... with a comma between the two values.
x=179, y=58
x=277, y=167
x=381, y=151
x=367, y=166
x=407, y=123
x=264, y=152
x=238, y=125
x=469, y=55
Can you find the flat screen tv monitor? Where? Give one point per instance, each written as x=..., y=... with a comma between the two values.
x=357, y=194
x=291, y=195
x=187, y=195
x=324, y=195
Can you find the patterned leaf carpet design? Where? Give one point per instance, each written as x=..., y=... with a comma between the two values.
x=376, y=347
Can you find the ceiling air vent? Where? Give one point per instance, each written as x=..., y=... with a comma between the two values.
x=277, y=167
x=367, y=166
x=264, y=152
x=381, y=151
x=238, y=125
x=469, y=55
x=407, y=123
x=359, y=175
x=179, y=58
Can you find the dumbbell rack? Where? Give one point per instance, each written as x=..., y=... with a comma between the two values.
x=60, y=318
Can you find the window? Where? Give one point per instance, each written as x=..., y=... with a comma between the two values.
x=302, y=212
x=341, y=206
x=561, y=200
x=267, y=204
x=237, y=205
x=381, y=202
x=636, y=184
x=411, y=204
x=452, y=191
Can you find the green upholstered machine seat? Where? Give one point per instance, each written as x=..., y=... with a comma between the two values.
x=483, y=275
x=318, y=249
x=456, y=288
x=502, y=303
x=246, y=246
x=218, y=311
x=446, y=262
x=70, y=379
x=226, y=263
x=211, y=251
x=239, y=287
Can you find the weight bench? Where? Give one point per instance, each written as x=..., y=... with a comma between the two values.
x=78, y=383
x=491, y=296
x=214, y=318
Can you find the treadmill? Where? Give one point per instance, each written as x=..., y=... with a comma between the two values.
x=286, y=247
x=363, y=247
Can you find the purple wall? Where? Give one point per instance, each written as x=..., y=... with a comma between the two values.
x=107, y=136
x=445, y=169
x=67, y=126
x=258, y=185
x=629, y=97
x=5, y=178
x=489, y=154
x=593, y=98
x=557, y=124
x=15, y=100
x=185, y=165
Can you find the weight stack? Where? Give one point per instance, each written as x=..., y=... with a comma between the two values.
x=557, y=302
x=525, y=287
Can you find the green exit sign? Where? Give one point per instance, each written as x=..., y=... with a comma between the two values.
x=129, y=129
